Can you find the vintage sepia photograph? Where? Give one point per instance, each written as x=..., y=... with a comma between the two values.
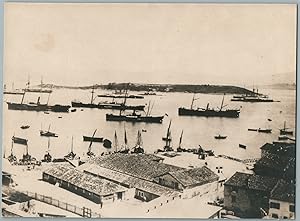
x=149, y=110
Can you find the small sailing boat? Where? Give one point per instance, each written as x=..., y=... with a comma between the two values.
x=220, y=137
x=48, y=133
x=12, y=158
x=138, y=147
x=47, y=156
x=125, y=149
x=71, y=155
x=168, y=137
x=285, y=130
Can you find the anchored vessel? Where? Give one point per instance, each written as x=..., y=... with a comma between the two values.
x=255, y=97
x=209, y=112
x=106, y=105
x=285, y=130
x=37, y=106
x=135, y=117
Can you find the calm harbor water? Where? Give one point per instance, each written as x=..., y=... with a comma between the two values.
x=197, y=130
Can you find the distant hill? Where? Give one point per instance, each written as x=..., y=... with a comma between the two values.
x=187, y=88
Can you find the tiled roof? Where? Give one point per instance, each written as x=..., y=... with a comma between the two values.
x=195, y=176
x=252, y=182
x=273, y=162
x=142, y=166
x=282, y=149
x=238, y=180
x=262, y=183
x=131, y=181
x=85, y=181
x=284, y=191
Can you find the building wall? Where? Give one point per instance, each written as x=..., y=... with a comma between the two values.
x=169, y=181
x=245, y=202
x=190, y=192
x=283, y=212
x=144, y=196
x=236, y=199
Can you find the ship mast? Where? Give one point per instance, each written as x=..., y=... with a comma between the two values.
x=139, y=142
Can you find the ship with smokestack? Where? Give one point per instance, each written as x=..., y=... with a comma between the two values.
x=255, y=97
x=106, y=105
x=31, y=106
x=209, y=112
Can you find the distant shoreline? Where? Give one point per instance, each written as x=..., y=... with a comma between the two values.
x=184, y=88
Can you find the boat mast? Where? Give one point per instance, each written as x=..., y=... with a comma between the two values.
x=139, y=142
x=180, y=140
x=193, y=101
x=168, y=138
x=222, y=103
x=92, y=99
x=23, y=97
x=148, y=110
x=125, y=138
x=284, y=125
x=90, y=153
x=72, y=145
x=116, y=143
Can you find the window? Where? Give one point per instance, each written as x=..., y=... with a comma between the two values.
x=141, y=194
x=292, y=208
x=274, y=215
x=160, y=180
x=274, y=205
x=233, y=199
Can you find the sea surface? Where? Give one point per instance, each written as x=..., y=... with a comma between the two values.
x=196, y=130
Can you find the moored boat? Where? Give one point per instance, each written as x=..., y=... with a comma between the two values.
x=94, y=139
x=220, y=137
x=19, y=140
x=208, y=112
x=285, y=130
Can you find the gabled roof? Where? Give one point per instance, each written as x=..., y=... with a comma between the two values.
x=85, y=181
x=282, y=149
x=251, y=181
x=144, y=166
x=131, y=181
x=238, y=179
x=196, y=176
x=284, y=191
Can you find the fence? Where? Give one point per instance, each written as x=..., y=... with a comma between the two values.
x=84, y=212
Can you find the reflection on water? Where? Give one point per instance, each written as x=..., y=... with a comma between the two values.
x=197, y=130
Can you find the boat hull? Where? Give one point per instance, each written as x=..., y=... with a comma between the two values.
x=48, y=134
x=252, y=100
x=285, y=132
x=108, y=106
x=208, y=113
x=38, y=107
x=19, y=140
x=129, y=118
x=93, y=139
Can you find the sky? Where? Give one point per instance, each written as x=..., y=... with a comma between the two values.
x=82, y=44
